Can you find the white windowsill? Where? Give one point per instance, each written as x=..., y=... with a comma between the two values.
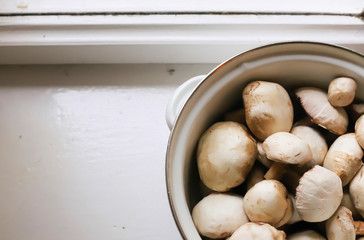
x=163, y=38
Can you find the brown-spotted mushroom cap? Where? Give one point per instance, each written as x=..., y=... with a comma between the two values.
x=268, y=108
x=341, y=91
x=257, y=231
x=344, y=157
x=356, y=190
x=219, y=215
x=268, y=201
x=318, y=194
x=318, y=107
x=359, y=130
x=225, y=154
x=305, y=235
x=316, y=142
x=341, y=225
x=287, y=148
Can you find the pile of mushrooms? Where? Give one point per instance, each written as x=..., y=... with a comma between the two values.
x=269, y=177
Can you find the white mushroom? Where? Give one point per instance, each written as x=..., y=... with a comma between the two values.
x=359, y=131
x=225, y=154
x=268, y=108
x=257, y=231
x=348, y=202
x=344, y=157
x=219, y=215
x=276, y=171
x=305, y=235
x=341, y=225
x=295, y=216
x=256, y=175
x=268, y=201
x=287, y=148
x=318, y=194
x=262, y=157
x=316, y=142
x=285, y=174
x=356, y=190
x=341, y=91
x=318, y=107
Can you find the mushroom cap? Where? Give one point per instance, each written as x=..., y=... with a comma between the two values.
x=305, y=235
x=295, y=216
x=225, y=154
x=318, y=194
x=341, y=225
x=341, y=91
x=268, y=108
x=316, y=142
x=356, y=190
x=359, y=130
x=219, y=214
x=344, y=157
x=268, y=201
x=287, y=148
x=262, y=157
x=257, y=231
x=348, y=203
x=318, y=107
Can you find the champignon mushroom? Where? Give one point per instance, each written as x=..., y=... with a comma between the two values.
x=318, y=194
x=276, y=171
x=219, y=214
x=268, y=108
x=318, y=107
x=340, y=226
x=305, y=235
x=341, y=91
x=344, y=157
x=348, y=202
x=359, y=131
x=295, y=216
x=262, y=157
x=257, y=231
x=285, y=174
x=287, y=148
x=268, y=201
x=316, y=142
x=356, y=190
x=225, y=154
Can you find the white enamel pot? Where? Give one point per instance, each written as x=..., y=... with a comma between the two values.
x=203, y=102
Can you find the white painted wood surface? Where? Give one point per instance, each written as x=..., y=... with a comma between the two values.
x=83, y=151
x=115, y=6
x=162, y=39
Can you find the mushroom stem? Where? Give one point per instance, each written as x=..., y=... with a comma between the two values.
x=276, y=171
x=359, y=227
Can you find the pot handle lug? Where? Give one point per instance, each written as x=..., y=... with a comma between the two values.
x=179, y=98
